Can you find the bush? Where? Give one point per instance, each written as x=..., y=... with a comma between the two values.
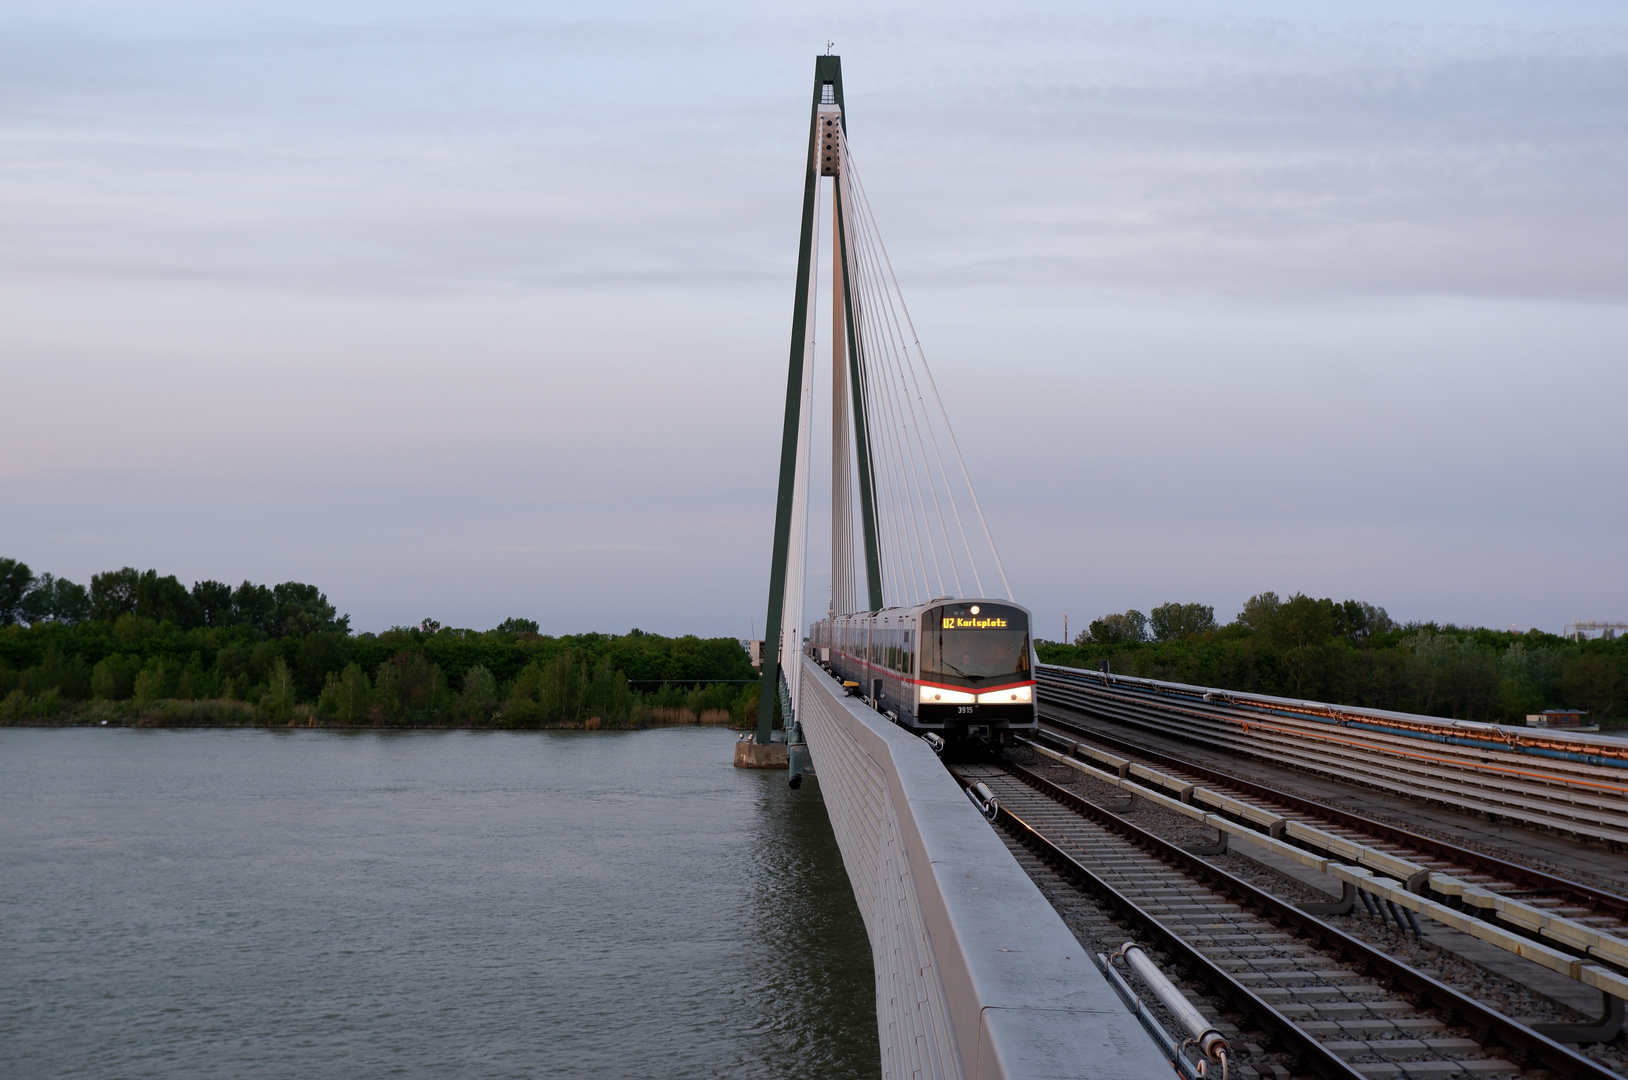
x=277, y=703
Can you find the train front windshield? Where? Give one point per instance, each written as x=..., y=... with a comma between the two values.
x=972, y=644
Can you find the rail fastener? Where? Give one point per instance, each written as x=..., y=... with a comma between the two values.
x=1403, y=884
x=1537, y=1048
x=1479, y=861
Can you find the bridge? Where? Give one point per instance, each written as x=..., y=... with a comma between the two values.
x=1067, y=873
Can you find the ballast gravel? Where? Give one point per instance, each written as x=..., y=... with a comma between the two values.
x=1491, y=988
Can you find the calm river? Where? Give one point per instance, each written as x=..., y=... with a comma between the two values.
x=213, y=904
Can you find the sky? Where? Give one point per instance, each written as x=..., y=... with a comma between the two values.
x=482, y=310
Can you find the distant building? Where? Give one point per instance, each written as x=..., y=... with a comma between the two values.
x=754, y=649
x=1577, y=631
x=1556, y=718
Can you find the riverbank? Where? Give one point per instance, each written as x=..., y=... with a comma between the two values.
x=228, y=713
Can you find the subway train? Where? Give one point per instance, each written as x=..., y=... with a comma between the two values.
x=961, y=668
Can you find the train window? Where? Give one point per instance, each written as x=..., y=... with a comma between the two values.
x=960, y=646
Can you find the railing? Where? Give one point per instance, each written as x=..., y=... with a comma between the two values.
x=976, y=975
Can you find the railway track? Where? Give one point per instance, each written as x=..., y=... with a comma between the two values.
x=1573, y=929
x=1580, y=792
x=1324, y=1004
x=1604, y=908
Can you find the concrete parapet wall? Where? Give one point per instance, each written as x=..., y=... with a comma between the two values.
x=976, y=975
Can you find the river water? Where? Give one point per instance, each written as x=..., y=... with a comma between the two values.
x=220, y=904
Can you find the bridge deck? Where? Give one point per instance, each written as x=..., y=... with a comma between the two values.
x=976, y=974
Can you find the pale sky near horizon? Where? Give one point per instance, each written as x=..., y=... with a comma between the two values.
x=478, y=310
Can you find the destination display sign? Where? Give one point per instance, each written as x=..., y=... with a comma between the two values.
x=974, y=622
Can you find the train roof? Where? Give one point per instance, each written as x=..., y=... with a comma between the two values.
x=940, y=601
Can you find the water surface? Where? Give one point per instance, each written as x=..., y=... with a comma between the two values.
x=316, y=904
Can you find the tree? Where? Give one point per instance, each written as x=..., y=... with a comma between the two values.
x=253, y=604
x=1260, y=612
x=300, y=609
x=277, y=703
x=608, y=696
x=113, y=678
x=386, y=695
x=164, y=599
x=347, y=696
x=195, y=682
x=1298, y=629
x=213, y=602
x=15, y=579
x=526, y=626
x=114, y=593
x=1590, y=682
x=479, y=697
x=1125, y=629
x=1452, y=676
x=149, y=686
x=1358, y=619
x=56, y=598
x=418, y=683
x=1173, y=622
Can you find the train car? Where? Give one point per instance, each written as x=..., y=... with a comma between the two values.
x=962, y=668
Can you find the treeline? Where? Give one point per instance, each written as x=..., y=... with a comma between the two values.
x=135, y=647
x=1353, y=653
x=287, y=610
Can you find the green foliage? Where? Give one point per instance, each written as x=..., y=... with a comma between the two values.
x=1173, y=622
x=346, y=696
x=479, y=699
x=114, y=677
x=138, y=647
x=1127, y=629
x=56, y=598
x=278, y=701
x=568, y=689
x=15, y=579
x=149, y=684
x=1353, y=653
x=386, y=705
x=1592, y=682
x=292, y=609
x=519, y=626
x=409, y=689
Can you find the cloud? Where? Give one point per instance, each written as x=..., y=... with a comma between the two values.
x=501, y=152
x=314, y=290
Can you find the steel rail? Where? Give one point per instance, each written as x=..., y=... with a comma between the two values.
x=1458, y=787
x=1296, y=1040
x=1440, y=783
x=1583, y=949
x=1397, y=751
x=1459, y=732
x=1525, y=1043
x=1480, y=861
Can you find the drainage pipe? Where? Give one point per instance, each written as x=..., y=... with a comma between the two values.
x=1211, y=1043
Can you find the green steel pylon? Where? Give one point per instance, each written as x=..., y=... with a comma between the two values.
x=827, y=72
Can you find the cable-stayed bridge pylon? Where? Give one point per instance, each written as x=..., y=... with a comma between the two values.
x=906, y=525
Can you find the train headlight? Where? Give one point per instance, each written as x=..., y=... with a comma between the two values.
x=938, y=695
x=1012, y=695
